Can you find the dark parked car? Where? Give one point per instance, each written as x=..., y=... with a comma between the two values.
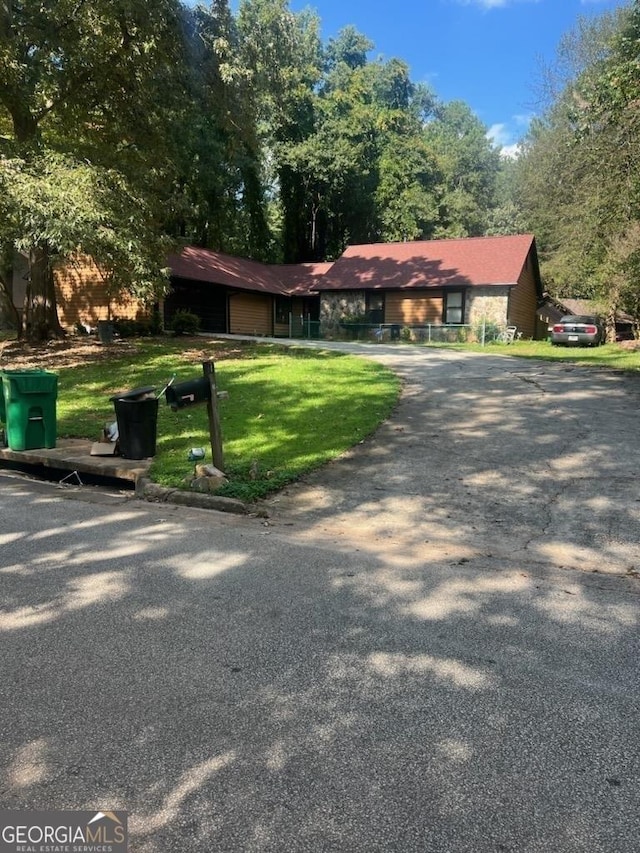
x=579, y=331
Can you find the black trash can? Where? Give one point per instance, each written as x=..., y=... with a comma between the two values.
x=137, y=417
x=105, y=332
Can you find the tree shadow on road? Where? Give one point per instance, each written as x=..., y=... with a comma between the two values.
x=328, y=679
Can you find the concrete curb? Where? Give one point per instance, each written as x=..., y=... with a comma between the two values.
x=148, y=491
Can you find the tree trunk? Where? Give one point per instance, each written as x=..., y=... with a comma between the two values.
x=613, y=303
x=40, y=316
x=8, y=311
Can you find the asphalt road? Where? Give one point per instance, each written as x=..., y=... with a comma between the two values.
x=430, y=645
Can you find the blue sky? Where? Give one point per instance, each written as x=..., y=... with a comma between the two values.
x=485, y=52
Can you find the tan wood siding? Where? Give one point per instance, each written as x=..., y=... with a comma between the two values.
x=523, y=302
x=413, y=309
x=82, y=296
x=250, y=314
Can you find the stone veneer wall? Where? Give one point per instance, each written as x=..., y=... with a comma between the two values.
x=487, y=303
x=482, y=303
x=343, y=305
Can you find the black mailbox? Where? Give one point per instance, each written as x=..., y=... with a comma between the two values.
x=188, y=393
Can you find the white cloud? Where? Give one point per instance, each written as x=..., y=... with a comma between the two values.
x=523, y=120
x=510, y=152
x=499, y=134
x=504, y=138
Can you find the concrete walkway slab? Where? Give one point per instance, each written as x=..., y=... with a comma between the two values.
x=72, y=454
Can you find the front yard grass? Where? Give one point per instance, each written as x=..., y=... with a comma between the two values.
x=610, y=356
x=288, y=411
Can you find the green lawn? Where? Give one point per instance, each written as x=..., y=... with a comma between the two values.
x=611, y=356
x=288, y=410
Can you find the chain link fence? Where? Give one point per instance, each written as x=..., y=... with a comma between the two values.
x=482, y=332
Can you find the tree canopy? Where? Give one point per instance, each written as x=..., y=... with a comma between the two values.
x=127, y=126
x=84, y=92
x=577, y=181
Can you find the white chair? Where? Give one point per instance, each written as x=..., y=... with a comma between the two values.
x=509, y=335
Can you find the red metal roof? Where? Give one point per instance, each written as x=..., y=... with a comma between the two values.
x=300, y=279
x=217, y=268
x=464, y=262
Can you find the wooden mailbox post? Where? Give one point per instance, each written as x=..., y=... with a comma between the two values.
x=194, y=391
x=215, y=432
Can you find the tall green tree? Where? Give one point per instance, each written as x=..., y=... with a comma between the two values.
x=282, y=53
x=365, y=168
x=82, y=85
x=469, y=164
x=219, y=198
x=406, y=196
x=349, y=48
x=608, y=129
x=578, y=179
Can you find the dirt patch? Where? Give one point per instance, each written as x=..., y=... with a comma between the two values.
x=74, y=352
x=194, y=351
x=19, y=355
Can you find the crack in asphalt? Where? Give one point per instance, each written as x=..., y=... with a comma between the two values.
x=524, y=475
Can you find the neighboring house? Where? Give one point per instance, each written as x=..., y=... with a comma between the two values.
x=550, y=311
x=84, y=297
x=82, y=293
x=470, y=281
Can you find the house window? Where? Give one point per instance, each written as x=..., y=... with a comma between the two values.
x=375, y=307
x=454, y=307
x=283, y=309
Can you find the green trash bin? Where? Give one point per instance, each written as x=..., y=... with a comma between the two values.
x=29, y=400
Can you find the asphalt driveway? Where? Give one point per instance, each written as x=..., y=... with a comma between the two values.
x=527, y=460
x=429, y=645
